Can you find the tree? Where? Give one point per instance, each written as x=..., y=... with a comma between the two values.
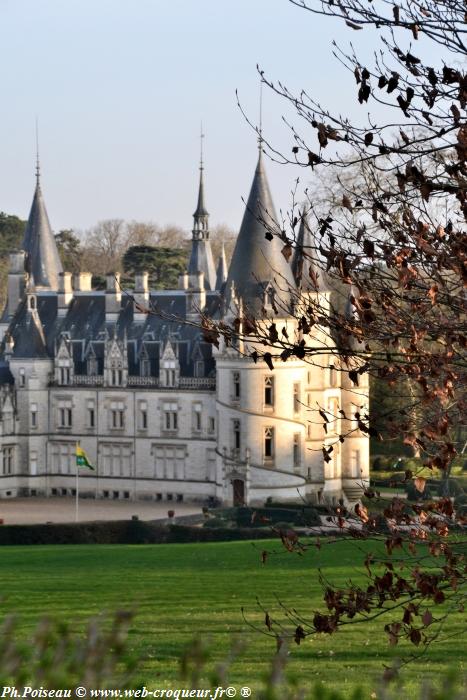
x=164, y=265
x=396, y=240
x=70, y=251
x=11, y=234
x=104, y=246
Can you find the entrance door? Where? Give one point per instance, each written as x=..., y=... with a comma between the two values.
x=238, y=492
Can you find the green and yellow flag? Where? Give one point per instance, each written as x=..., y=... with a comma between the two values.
x=82, y=459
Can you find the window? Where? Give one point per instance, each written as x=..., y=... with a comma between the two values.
x=296, y=397
x=7, y=460
x=296, y=451
x=269, y=391
x=92, y=366
x=308, y=377
x=197, y=424
x=309, y=431
x=211, y=424
x=90, y=415
x=64, y=375
x=236, y=385
x=332, y=375
x=169, y=461
x=117, y=415
x=236, y=436
x=355, y=463
x=63, y=457
x=169, y=373
x=199, y=368
x=269, y=444
x=115, y=459
x=116, y=377
x=170, y=416
x=270, y=297
x=33, y=415
x=143, y=415
x=211, y=465
x=333, y=414
x=22, y=377
x=8, y=421
x=65, y=413
x=335, y=460
x=33, y=463
x=145, y=367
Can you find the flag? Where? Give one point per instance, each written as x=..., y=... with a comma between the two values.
x=82, y=459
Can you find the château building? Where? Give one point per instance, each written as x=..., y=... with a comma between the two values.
x=161, y=413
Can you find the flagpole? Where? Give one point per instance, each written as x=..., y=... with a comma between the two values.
x=77, y=491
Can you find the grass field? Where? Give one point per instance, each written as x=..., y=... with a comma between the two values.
x=178, y=591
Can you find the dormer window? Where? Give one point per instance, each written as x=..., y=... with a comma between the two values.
x=64, y=375
x=270, y=298
x=169, y=368
x=199, y=368
x=116, y=377
x=92, y=366
x=32, y=303
x=145, y=367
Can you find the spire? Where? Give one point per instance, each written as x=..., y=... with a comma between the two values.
x=38, y=167
x=256, y=259
x=221, y=273
x=307, y=273
x=42, y=258
x=201, y=259
x=201, y=210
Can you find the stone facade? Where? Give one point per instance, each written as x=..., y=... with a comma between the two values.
x=160, y=413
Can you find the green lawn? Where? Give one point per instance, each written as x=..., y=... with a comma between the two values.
x=178, y=591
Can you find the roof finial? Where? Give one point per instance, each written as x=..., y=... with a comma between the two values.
x=38, y=169
x=201, y=137
x=260, y=129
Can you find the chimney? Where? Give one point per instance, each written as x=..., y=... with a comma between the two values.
x=141, y=296
x=65, y=293
x=83, y=282
x=16, y=280
x=113, y=297
x=183, y=281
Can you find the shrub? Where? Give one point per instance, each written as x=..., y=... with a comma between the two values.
x=450, y=487
x=413, y=494
x=216, y=522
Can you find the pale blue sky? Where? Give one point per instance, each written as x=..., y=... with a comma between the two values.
x=120, y=88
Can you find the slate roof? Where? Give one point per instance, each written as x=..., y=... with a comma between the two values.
x=201, y=259
x=38, y=333
x=42, y=259
x=304, y=260
x=221, y=272
x=257, y=261
x=6, y=376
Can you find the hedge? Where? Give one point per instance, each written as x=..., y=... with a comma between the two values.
x=122, y=532
x=249, y=517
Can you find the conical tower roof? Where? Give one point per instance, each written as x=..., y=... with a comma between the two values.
x=257, y=261
x=309, y=277
x=42, y=260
